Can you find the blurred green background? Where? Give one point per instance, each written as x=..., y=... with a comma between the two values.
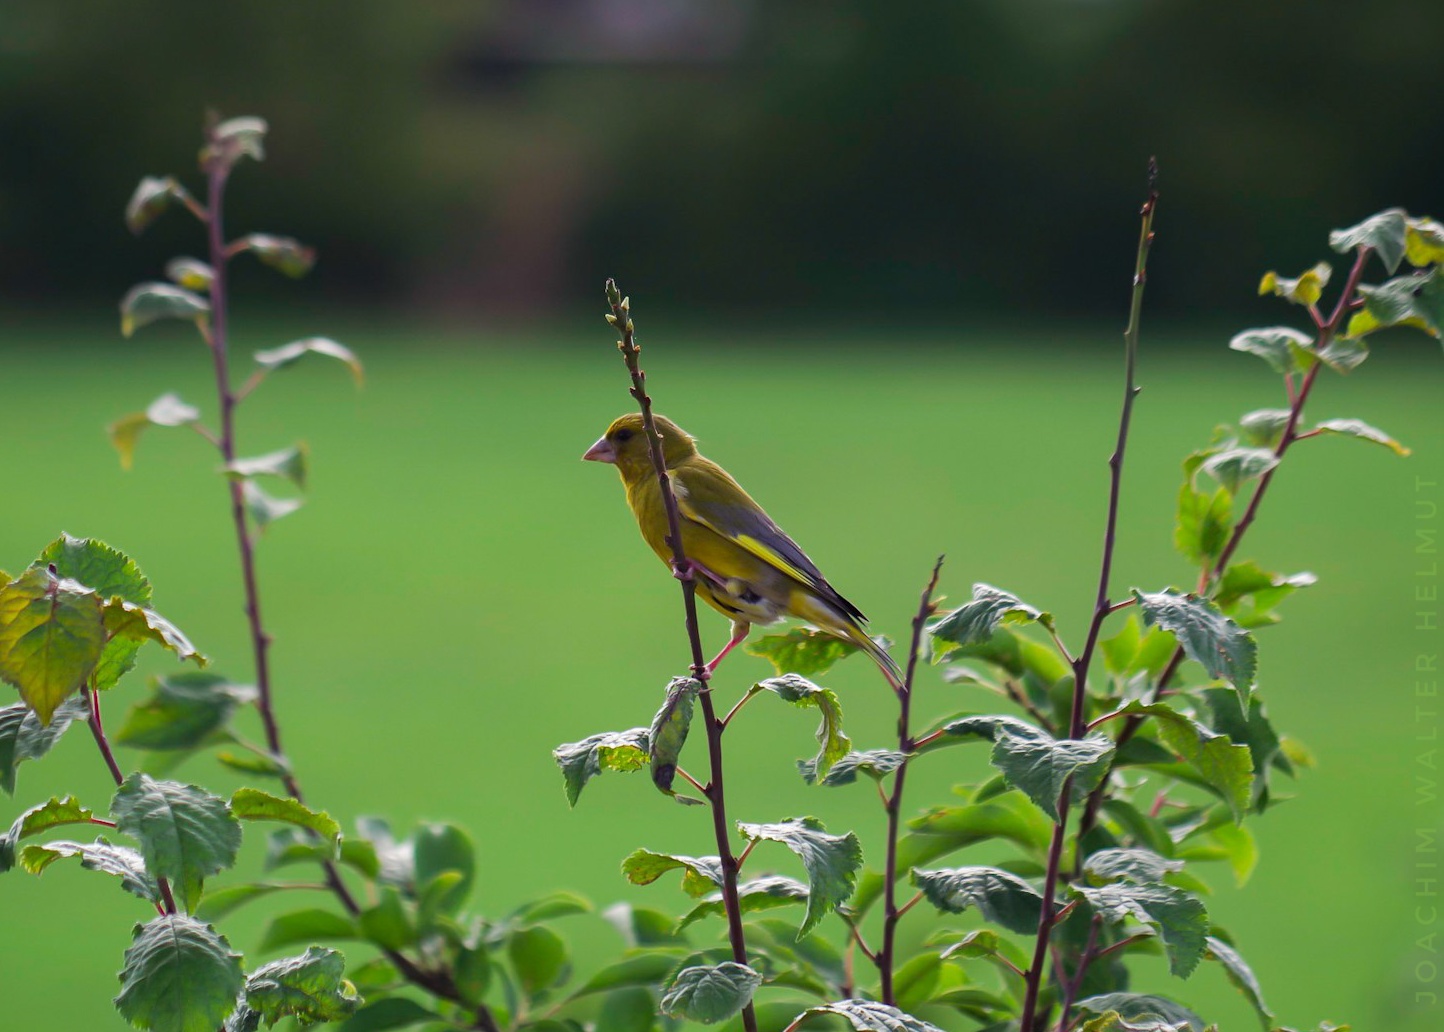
x=879, y=255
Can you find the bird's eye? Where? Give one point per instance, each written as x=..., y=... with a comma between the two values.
x=624, y=435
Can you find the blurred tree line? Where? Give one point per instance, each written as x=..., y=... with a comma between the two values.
x=871, y=157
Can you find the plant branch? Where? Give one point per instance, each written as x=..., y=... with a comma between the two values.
x=1070, y=991
x=1046, y=917
x=621, y=318
x=892, y=913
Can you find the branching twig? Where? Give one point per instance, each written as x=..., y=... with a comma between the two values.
x=1047, y=917
x=892, y=913
x=621, y=318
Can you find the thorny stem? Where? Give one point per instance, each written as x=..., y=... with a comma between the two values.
x=621, y=318
x=216, y=337
x=892, y=913
x=1047, y=917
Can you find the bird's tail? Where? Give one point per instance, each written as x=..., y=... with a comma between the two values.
x=850, y=628
x=885, y=662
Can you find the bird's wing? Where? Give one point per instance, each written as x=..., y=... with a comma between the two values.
x=708, y=495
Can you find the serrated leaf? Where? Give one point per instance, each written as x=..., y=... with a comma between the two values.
x=668, y=732
x=52, y=814
x=1234, y=467
x=1251, y=728
x=870, y=1016
x=306, y=926
x=190, y=273
x=831, y=861
x=623, y=751
x=1208, y=637
x=100, y=855
x=1223, y=764
x=539, y=956
x=311, y=988
x=1141, y=1007
x=251, y=804
x=1241, y=976
x=151, y=197
x=799, y=691
x=1423, y=242
x=765, y=893
x=1358, y=428
x=183, y=711
x=105, y=570
x=1285, y=349
x=185, y=833
x=287, y=354
x=804, y=650
x=52, y=635
x=702, y=873
x=710, y=994
x=1384, y=233
x=287, y=463
x=973, y=623
x=146, y=303
x=1305, y=290
x=179, y=976
x=141, y=624
x=1000, y=897
x=265, y=508
x=1179, y=919
x=875, y=763
x=1041, y=766
x=1140, y=866
x=23, y=737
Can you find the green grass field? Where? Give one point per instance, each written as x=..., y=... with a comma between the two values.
x=461, y=594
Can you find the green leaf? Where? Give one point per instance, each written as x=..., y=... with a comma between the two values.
x=627, y=1010
x=23, y=737
x=140, y=624
x=51, y=636
x=183, y=712
x=1139, y=1007
x=235, y=138
x=642, y=926
x=702, y=873
x=551, y=906
x=311, y=988
x=265, y=508
x=611, y=750
x=1358, y=428
x=1208, y=637
x=1384, y=233
x=287, y=354
x=306, y=926
x=668, y=732
x=1285, y=349
x=152, y=196
x=387, y=924
x=1424, y=242
x=100, y=855
x=288, y=463
x=1306, y=290
x=52, y=814
x=1344, y=354
x=167, y=410
x=765, y=893
x=472, y=973
x=251, y=804
x=1251, y=728
x=875, y=763
x=179, y=976
x=1041, y=766
x=439, y=848
x=1179, y=918
x=293, y=845
x=107, y=571
x=998, y=896
x=190, y=273
x=640, y=968
x=1226, y=766
x=710, y=994
x=1241, y=976
x=1234, y=467
x=1413, y=299
x=185, y=833
x=1140, y=866
x=539, y=956
x=286, y=255
x=803, y=650
x=217, y=903
x=266, y=765
x=146, y=303
x=973, y=623
x=1265, y=427
x=870, y=1016
x=799, y=691
x=1247, y=593
x=392, y=1012
x=1131, y=651
x=831, y=861
x=1205, y=520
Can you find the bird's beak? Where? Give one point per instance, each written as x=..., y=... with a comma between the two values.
x=602, y=451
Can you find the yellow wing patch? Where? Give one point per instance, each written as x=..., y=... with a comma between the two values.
x=760, y=550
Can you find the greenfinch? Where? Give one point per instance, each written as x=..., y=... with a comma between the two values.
x=744, y=566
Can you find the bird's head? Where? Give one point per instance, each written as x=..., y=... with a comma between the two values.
x=625, y=445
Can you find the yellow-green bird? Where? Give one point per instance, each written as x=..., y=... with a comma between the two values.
x=745, y=567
